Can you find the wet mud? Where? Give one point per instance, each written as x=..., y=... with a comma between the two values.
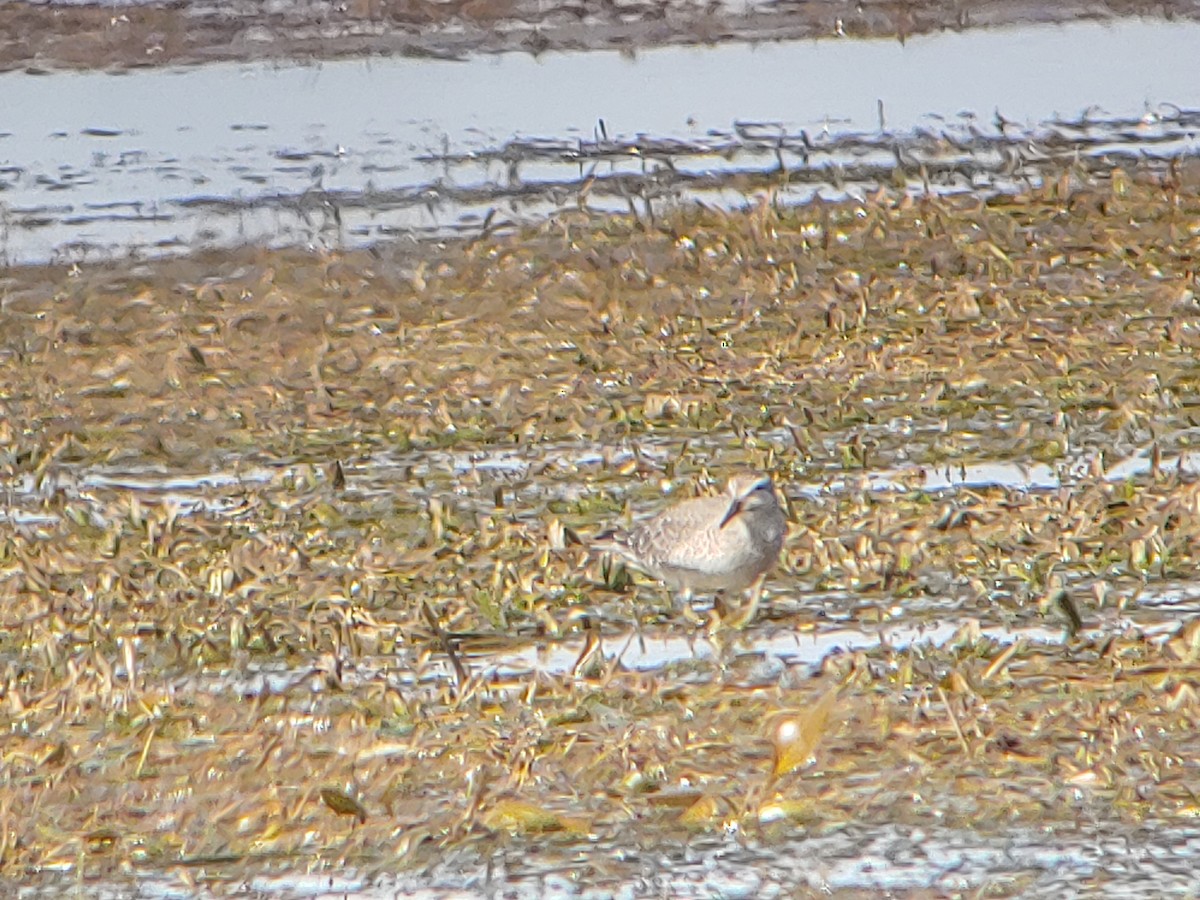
x=295, y=560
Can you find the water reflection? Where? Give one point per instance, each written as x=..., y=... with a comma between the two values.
x=348, y=154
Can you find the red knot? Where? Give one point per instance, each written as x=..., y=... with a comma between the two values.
x=725, y=543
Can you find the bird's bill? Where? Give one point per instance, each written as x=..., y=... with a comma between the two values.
x=734, y=508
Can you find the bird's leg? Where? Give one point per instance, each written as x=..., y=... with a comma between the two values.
x=747, y=614
x=684, y=598
x=720, y=607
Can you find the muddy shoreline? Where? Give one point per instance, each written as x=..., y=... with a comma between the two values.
x=295, y=587
x=241, y=487
x=55, y=37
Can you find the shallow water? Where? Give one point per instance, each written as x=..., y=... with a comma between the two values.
x=220, y=490
x=886, y=858
x=347, y=153
x=1094, y=858
x=760, y=656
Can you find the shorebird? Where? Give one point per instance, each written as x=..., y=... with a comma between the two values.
x=724, y=543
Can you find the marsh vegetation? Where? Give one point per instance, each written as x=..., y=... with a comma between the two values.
x=279, y=526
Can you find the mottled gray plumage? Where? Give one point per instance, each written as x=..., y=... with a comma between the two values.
x=709, y=543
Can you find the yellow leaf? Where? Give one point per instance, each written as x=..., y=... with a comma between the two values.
x=700, y=813
x=796, y=737
x=519, y=815
x=343, y=804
